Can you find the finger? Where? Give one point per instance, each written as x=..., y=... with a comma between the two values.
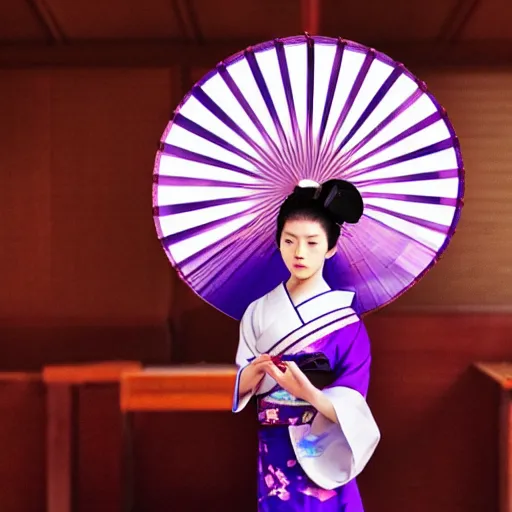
x=267, y=365
x=261, y=361
x=275, y=373
x=264, y=366
x=297, y=372
x=279, y=364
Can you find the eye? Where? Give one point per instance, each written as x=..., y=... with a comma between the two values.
x=312, y=243
x=288, y=241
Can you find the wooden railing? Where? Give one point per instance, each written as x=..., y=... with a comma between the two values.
x=501, y=373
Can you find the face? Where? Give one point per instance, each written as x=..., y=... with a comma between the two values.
x=304, y=248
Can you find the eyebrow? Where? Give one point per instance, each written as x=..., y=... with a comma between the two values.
x=287, y=233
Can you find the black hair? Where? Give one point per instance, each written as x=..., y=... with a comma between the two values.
x=330, y=204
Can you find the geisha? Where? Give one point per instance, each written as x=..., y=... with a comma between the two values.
x=305, y=354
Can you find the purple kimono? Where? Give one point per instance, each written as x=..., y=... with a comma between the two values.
x=307, y=462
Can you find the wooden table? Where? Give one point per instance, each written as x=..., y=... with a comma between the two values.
x=501, y=373
x=62, y=383
x=173, y=388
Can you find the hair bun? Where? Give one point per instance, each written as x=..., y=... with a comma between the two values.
x=304, y=193
x=342, y=200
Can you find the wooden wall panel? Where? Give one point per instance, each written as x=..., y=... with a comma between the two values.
x=257, y=21
x=30, y=347
x=117, y=20
x=22, y=444
x=107, y=263
x=99, y=470
x=77, y=235
x=378, y=21
x=18, y=22
x=490, y=20
x=25, y=227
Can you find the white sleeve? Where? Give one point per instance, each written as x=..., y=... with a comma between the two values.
x=245, y=354
x=333, y=454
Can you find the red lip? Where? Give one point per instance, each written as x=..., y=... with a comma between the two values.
x=299, y=266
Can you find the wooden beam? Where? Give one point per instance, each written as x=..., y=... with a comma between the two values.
x=47, y=20
x=310, y=16
x=193, y=19
x=505, y=451
x=188, y=22
x=179, y=388
x=501, y=373
x=457, y=20
x=180, y=18
x=59, y=448
x=164, y=54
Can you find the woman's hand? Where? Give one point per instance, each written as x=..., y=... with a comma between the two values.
x=253, y=373
x=298, y=385
x=292, y=380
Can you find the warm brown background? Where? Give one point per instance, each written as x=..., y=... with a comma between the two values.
x=82, y=276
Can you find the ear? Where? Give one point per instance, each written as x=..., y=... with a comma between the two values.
x=331, y=253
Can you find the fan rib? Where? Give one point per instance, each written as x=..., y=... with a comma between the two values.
x=285, y=77
x=174, y=209
x=354, y=91
x=424, y=176
x=267, y=98
x=184, y=181
x=427, y=150
x=333, y=82
x=310, y=89
x=433, y=226
x=233, y=87
x=186, y=154
x=383, y=90
x=385, y=122
x=197, y=230
x=193, y=127
x=220, y=114
x=443, y=201
x=418, y=127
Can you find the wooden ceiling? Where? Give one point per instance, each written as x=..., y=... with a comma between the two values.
x=202, y=32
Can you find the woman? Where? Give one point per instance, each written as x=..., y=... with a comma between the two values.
x=306, y=355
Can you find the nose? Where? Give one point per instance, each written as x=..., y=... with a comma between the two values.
x=299, y=251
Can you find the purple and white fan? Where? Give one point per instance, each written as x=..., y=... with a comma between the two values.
x=306, y=108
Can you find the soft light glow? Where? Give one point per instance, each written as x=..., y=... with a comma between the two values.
x=308, y=183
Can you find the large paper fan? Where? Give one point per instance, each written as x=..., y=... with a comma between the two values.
x=306, y=108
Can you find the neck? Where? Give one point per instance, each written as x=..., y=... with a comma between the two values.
x=298, y=288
